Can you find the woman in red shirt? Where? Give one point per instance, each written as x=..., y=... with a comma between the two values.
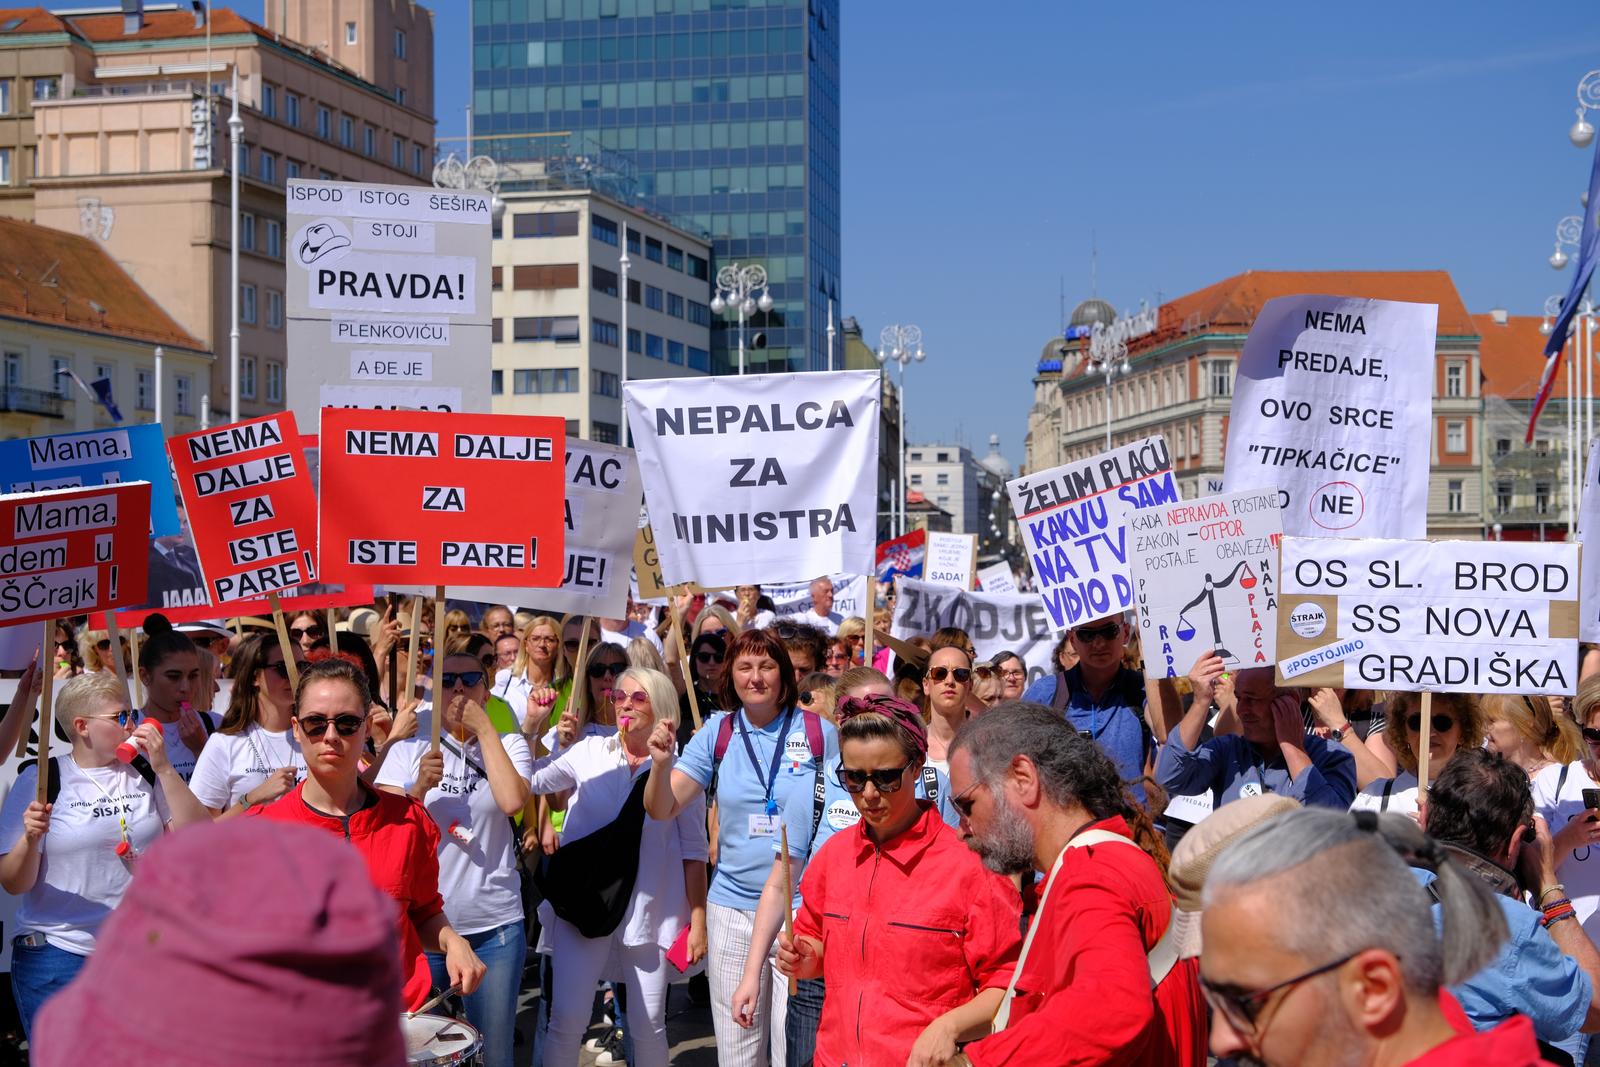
x=898, y=896
x=393, y=833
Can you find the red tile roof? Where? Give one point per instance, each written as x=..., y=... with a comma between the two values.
x=55, y=278
x=161, y=25
x=1512, y=357
x=1231, y=305
x=32, y=20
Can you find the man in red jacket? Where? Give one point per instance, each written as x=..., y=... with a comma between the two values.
x=1096, y=984
x=1319, y=949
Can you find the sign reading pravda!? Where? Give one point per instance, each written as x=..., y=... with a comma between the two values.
x=440, y=498
x=248, y=494
x=388, y=297
x=1439, y=616
x=1332, y=406
x=1073, y=520
x=1205, y=575
x=72, y=551
x=762, y=478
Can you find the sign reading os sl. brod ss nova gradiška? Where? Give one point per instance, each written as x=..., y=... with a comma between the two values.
x=389, y=298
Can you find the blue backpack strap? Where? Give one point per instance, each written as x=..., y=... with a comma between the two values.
x=724, y=738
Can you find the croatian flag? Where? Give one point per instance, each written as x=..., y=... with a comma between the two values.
x=902, y=556
x=1588, y=249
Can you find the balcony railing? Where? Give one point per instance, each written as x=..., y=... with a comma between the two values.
x=30, y=401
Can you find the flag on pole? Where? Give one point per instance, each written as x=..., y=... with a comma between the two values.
x=902, y=556
x=100, y=393
x=1588, y=250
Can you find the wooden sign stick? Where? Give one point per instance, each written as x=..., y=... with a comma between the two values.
x=282, y=627
x=1424, y=737
x=133, y=654
x=27, y=712
x=439, y=697
x=333, y=634
x=46, y=721
x=411, y=660
x=788, y=897
x=683, y=660
x=114, y=632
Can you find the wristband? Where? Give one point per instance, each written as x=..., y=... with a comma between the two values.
x=1557, y=888
x=1550, y=921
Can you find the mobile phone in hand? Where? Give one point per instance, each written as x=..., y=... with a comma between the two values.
x=1591, y=801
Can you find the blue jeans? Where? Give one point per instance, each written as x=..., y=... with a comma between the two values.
x=801, y=1022
x=492, y=1007
x=37, y=974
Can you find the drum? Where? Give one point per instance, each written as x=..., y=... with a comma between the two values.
x=440, y=1041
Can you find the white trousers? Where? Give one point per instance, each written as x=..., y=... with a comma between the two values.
x=579, y=963
x=728, y=933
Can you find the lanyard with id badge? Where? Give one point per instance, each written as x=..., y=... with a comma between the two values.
x=765, y=824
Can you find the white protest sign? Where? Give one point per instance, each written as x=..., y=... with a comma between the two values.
x=388, y=298
x=1073, y=526
x=849, y=596
x=997, y=578
x=1439, y=616
x=602, y=509
x=949, y=559
x=1205, y=577
x=996, y=622
x=1589, y=535
x=762, y=478
x=1332, y=407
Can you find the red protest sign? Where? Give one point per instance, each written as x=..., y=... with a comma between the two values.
x=72, y=551
x=251, y=506
x=442, y=498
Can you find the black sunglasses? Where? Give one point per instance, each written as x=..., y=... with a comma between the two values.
x=887, y=781
x=1591, y=736
x=466, y=678
x=1089, y=634
x=600, y=670
x=281, y=669
x=345, y=725
x=299, y=633
x=962, y=674
x=704, y=656
x=1441, y=722
x=1243, y=1009
x=104, y=644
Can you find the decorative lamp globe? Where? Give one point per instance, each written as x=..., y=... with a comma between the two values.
x=1581, y=134
x=718, y=305
x=765, y=303
x=1558, y=259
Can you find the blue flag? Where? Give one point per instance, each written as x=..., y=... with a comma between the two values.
x=102, y=392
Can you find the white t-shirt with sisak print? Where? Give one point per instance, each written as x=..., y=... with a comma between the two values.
x=233, y=764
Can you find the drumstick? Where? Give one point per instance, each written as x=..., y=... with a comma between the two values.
x=788, y=897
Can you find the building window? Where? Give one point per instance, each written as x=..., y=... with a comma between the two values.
x=324, y=122
x=274, y=238
x=674, y=258
x=291, y=169
x=603, y=281
x=496, y=278
x=1541, y=497
x=1502, y=447
x=497, y=383
x=347, y=131
x=652, y=250
x=1455, y=437
x=699, y=268
x=916, y=481
x=247, y=304
x=562, y=330
x=397, y=153
x=633, y=241
x=699, y=314
x=942, y=479
x=653, y=346
x=943, y=457
x=349, y=33
x=247, y=377
x=369, y=141
x=1452, y=496
x=675, y=352
x=545, y=276
x=675, y=305
x=247, y=232
x=144, y=397
x=274, y=382
x=1541, y=446
x=605, y=383
x=604, y=230
x=636, y=342
x=182, y=390
x=269, y=168
x=5, y=166
x=269, y=101
x=605, y=333
x=59, y=365
x=416, y=159
x=1455, y=380
x=400, y=95
x=545, y=224
x=1502, y=495
x=699, y=359
x=1222, y=378
x=274, y=310
x=5, y=96
x=653, y=298
x=545, y=380
x=399, y=44
x=47, y=88
x=496, y=331
x=605, y=433
x=291, y=109
x=13, y=369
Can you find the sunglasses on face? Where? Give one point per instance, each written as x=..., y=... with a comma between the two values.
x=466, y=678
x=639, y=699
x=104, y=644
x=1243, y=1008
x=572, y=646
x=1090, y=634
x=300, y=633
x=602, y=670
x=1441, y=723
x=316, y=726
x=961, y=674
x=457, y=629
x=983, y=670
x=122, y=718
x=887, y=781
x=706, y=656
x=1591, y=735
x=281, y=669
x=963, y=801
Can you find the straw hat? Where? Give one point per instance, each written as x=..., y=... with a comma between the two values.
x=361, y=622
x=1192, y=859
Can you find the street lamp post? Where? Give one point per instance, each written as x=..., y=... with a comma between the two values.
x=235, y=135
x=901, y=344
x=623, y=264
x=1109, y=355
x=1582, y=133
x=1569, y=231
x=736, y=291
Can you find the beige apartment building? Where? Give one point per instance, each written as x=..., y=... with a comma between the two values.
x=117, y=130
x=557, y=340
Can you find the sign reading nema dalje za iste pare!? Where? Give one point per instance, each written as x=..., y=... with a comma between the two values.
x=388, y=297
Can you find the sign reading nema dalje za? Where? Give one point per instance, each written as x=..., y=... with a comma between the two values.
x=442, y=498
x=388, y=297
x=1440, y=616
x=1332, y=406
x=762, y=478
x=73, y=551
x=1074, y=526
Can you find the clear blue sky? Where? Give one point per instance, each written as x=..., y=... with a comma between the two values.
x=983, y=144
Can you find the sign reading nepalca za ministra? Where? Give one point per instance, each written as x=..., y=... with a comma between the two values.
x=388, y=297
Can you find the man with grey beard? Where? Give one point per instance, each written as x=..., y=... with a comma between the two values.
x=1097, y=983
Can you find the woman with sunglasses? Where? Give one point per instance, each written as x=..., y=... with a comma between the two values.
x=1457, y=724
x=763, y=760
x=478, y=778
x=602, y=774
x=898, y=896
x=253, y=758
x=94, y=647
x=393, y=833
x=590, y=715
x=305, y=630
x=946, y=688
x=70, y=860
x=837, y=659
x=169, y=669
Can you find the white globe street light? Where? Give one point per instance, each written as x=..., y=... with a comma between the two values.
x=902, y=344
x=1582, y=133
x=736, y=291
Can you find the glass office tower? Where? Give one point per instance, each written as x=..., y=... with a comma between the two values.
x=721, y=114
